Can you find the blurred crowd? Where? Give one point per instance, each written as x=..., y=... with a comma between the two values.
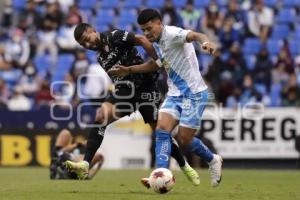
x=258, y=59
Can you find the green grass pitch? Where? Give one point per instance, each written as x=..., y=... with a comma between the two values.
x=34, y=184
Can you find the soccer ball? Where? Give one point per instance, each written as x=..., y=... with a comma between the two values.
x=161, y=180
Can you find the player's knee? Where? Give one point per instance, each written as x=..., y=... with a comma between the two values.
x=164, y=127
x=100, y=116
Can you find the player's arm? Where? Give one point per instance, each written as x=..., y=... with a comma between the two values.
x=203, y=40
x=140, y=40
x=147, y=67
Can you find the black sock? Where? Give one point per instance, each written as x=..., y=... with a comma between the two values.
x=177, y=154
x=94, y=141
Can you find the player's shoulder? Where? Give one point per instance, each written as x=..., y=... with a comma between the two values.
x=173, y=29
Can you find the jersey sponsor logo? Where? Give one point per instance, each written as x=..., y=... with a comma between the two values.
x=163, y=151
x=164, y=157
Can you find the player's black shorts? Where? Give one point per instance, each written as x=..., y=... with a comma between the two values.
x=145, y=99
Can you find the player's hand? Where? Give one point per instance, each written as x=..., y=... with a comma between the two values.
x=119, y=70
x=209, y=47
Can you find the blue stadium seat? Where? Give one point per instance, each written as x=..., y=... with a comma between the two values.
x=109, y=3
x=274, y=46
x=252, y=46
x=271, y=3
x=63, y=66
x=105, y=17
x=18, y=4
x=250, y=61
x=127, y=17
x=92, y=56
x=89, y=15
x=102, y=27
x=294, y=47
x=124, y=26
x=42, y=64
x=155, y=4
x=11, y=77
x=132, y=4
x=275, y=95
x=286, y=16
x=179, y=3
x=222, y=3
x=261, y=88
x=297, y=33
x=87, y=4
x=290, y=3
x=204, y=61
x=201, y=3
x=280, y=31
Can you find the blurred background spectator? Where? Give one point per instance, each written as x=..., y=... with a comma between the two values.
x=258, y=59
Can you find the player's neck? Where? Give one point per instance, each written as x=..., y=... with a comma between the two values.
x=160, y=35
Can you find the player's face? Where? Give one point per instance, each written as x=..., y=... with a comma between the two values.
x=152, y=30
x=90, y=39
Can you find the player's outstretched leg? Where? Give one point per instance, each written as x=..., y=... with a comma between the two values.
x=188, y=171
x=215, y=169
x=214, y=161
x=162, y=151
x=81, y=169
x=191, y=174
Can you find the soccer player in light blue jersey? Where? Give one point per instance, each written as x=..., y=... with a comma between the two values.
x=187, y=94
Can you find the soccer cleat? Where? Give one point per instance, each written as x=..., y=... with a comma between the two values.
x=145, y=182
x=81, y=168
x=215, y=169
x=191, y=174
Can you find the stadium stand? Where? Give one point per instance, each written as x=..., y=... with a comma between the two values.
x=47, y=17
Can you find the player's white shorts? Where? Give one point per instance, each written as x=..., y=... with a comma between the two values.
x=187, y=110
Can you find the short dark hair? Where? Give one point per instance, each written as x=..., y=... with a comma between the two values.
x=79, y=30
x=147, y=15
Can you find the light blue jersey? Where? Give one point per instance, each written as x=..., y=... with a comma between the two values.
x=180, y=61
x=187, y=95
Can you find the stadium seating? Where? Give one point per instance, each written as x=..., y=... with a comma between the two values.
x=286, y=16
x=280, y=32
x=122, y=14
x=155, y=4
x=105, y=17
x=129, y=4
x=290, y=3
x=250, y=61
x=275, y=95
x=109, y=4
x=87, y=4
x=43, y=64
x=271, y=3
x=201, y=3
x=11, y=77
x=261, y=88
x=180, y=3
x=294, y=47
x=274, y=46
x=127, y=17
x=252, y=46
x=63, y=66
x=18, y=4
